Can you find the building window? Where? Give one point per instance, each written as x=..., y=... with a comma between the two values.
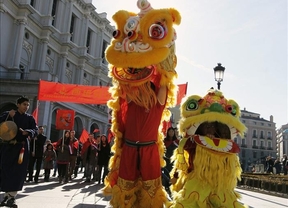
x=269, y=135
x=269, y=144
x=53, y=12
x=32, y=3
x=261, y=134
x=72, y=26
x=27, y=35
x=235, y=140
x=243, y=153
x=255, y=155
x=254, y=133
x=243, y=141
x=88, y=39
x=105, y=44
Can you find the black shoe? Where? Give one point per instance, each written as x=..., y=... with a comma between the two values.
x=87, y=180
x=11, y=202
x=3, y=202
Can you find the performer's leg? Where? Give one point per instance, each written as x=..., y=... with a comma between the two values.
x=152, y=194
x=124, y=192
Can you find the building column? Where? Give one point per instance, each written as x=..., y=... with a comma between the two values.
x=42, y=58
x=62, y=67
x=19, y=41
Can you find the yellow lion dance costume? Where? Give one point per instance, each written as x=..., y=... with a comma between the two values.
x=142, y=63
x=206, y=165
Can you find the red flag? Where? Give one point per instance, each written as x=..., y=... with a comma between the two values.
x=84, y=136
x=65, y=119
x=35, y=114
x=110, y=136
x=166, y=125
x=182, y=90
x=96, y=130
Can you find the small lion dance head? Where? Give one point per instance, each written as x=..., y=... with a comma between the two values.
x=206, y=161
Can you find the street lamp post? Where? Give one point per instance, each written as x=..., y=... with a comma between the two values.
x=219, y=74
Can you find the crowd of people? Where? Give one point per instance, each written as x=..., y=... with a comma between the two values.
x=25, y=154
x=67, y=155
x=276, y=166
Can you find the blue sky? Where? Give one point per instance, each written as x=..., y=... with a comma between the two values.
x=249, y=38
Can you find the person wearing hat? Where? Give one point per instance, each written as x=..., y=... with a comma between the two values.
x=14, y=151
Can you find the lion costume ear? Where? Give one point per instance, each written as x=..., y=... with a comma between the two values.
x=175, y=16
x=121, y=16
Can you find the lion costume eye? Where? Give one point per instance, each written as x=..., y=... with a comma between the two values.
x=192, y=105
x=116, y=33
x=157, y=31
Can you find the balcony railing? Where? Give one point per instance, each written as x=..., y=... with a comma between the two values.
x=244, y=145
x=269, y=148
x=255, y=147
x=262, y=147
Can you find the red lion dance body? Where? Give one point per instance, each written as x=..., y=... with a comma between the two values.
x=142, y=66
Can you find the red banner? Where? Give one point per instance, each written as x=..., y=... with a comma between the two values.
x=65, y=119
x=54, y=91
x=57, y=92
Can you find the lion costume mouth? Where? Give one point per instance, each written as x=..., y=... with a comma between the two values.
x=214, y=129
x=130, y=75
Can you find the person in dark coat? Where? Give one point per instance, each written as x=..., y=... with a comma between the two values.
x=103, y=158
x=36, y=154
x=63, y=156
x=285, y=164
x=89, y=156
x=269, y=165
x=13, y=166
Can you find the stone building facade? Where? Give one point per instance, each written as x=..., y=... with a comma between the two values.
x=259, y=140
x=54, y=40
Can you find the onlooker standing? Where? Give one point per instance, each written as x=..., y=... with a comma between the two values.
x=171, y=143
x=103, y=158
x=89, y=157
x=285, y=164
x=277, y=165
x=73, y=147
x=269, y=165
x=63, y=155
x=49, y=158
x=36, y=154
x=13, y=170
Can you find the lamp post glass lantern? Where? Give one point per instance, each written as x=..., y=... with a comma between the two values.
x=219, y=74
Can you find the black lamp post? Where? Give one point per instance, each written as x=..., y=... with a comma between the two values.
x=219, y=74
